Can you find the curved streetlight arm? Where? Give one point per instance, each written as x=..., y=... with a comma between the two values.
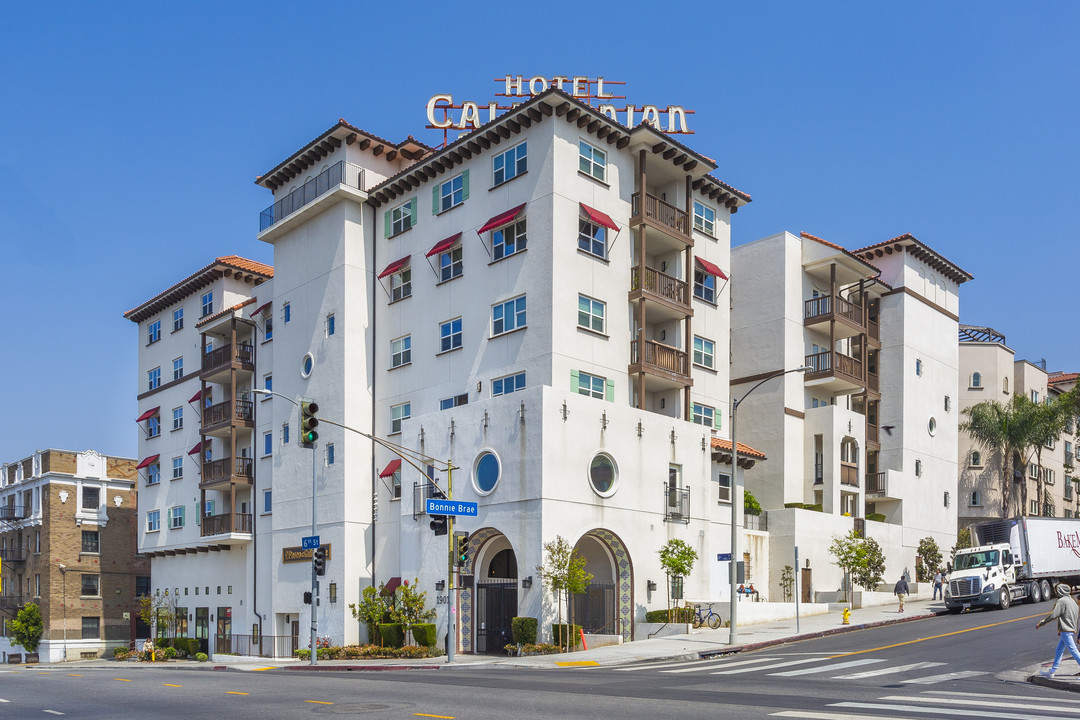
x=778, y=373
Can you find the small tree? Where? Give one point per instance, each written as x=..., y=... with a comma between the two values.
x=677, y=558
x=787, y=582
x=27, y=628
x=409, y=607
x=963, y=540
x=371, y=610
x=751, y=506
x=927, y=559
x=860, y=558
x=563, y=572
x=155, y=611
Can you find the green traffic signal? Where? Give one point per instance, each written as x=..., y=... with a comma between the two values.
x=308, y=422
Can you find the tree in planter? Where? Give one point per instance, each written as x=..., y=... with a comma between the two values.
x=564, y=574
x=860, y=558
x=787, y=582
x=409, y=607
x=27, y=628
x=155, y=610
x=751, y=506
x=927, y=559
x=677, y=558
x=371, y=610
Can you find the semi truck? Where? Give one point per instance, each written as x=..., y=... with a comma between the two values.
x=1012, y=560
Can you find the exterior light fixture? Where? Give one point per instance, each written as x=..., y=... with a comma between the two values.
x=526, y=582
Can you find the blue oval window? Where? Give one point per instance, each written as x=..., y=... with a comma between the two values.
x=486, y=475
x=307, y=365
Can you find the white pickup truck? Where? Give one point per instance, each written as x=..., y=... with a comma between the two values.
x=1015, y=559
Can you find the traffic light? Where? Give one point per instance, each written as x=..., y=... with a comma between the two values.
x=319, y=559
x=461, y=548
x=307, y=598
x=308, y=423
x=438, y=524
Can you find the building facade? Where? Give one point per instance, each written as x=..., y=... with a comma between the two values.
x=68, y=544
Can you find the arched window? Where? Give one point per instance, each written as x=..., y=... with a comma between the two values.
x=976, y=499
x=976, y=379
x=1005, y=385
x=976, y=459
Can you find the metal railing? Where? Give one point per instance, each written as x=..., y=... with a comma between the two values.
x=225, y=468
x=14, y=512
x=756, y=522
x=875, y=484
x=244, y=353
x=227, y=411
x=661, y=284
x=270, y=646
x=340, y=173
x=658, y=355
x=12, y=602
x=227, y=523
x=819, y=470
x=662, y=212
x=14, y=554
x=677, y=504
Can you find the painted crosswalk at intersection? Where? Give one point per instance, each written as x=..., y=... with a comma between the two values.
x=944, y=704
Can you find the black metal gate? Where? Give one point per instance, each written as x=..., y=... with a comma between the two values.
x=496, y=606
x=594, y=609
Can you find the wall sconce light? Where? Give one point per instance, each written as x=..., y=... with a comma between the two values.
x=650, y=586
x=452, y=429
x=603, y=420
x=440, y=585
x=526, y=582
x=704, y=443
x=565, y=411
x=640, y=428
x=333, y=592
x=521, y=412
x=485, y=419
x=673, y=436
x=287, y=618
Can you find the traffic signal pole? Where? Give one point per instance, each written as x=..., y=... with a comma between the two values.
x=451, y=605
x=314, y=577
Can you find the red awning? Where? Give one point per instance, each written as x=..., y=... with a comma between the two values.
x=391, y=468
x=196, y=396
x=600, y=218
x=444, y=245
x=711, y=269
x=148, y=414
x=198, y=447
x=147, y=461
x=394, y=266
x=259, y=309
x=391, y=586
x=501, y=219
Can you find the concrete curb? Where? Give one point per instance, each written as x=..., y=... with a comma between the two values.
x=1057, y=683
x=357, y=668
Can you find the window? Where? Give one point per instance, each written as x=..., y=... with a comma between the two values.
x=91, y=541
x=724, y=481
x=948, y=403
x=91, y=585
x=508, y=316
x=153, y=379
x=704, y=218
x=268, y=384
x=1048, y=476
x=401, y=351
x=450, y=335
x=1005, y=385
x=704, y=352
x=153, y=332
x=395, y=485
x=330, y=325
x=176, y=517
x=91, y=628
x=976, y=458
x=307, y=364
x=268, y=443
x=1035, y=396
x=450, y=264
x=508, y=165
x=401, y=284
x=1033, y=471
x=400, y=218
x=178, y=319
x=268, y=328
x=329, y=453
x=286, y=313
x=453, y=402
x=91, y=498
x=508, y=240
x=208, y=303
x=37, y=585
x=591, y=385
x=592, y=161
x=153, y=426
x=704, y=286
x=591, y=314
x=398, y=414
x=268, y=501
x=178, y=418
x=1034, y=507
x=285, y=433
x=976, y=498
x=602, y=474
x=592, y=238
x=153, y=473
x=451, y=193
x=918, y=468
x=508, y=384
x=918, y=367
x=177, y=468
x=946, y=498
x=153, y=521
x=486, y=472
x=931, y=427
x=703, y=414
x=178, y=368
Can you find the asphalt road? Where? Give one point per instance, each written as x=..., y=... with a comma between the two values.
x=948, y=667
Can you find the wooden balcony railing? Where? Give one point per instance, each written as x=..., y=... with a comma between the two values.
x=243, y=353
x=849, y=474
x=872, y=433
x=659, y=356
x=225, y=469
x=826, y=306
x=875, y=484
x=873, y=329
x=677, y=502
x=661, y=212
x=836, y=364
x=872, y=382
x=228, y=411
x=227, y=523
x=660, y=284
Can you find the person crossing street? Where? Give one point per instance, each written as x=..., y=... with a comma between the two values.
x=1065, y=612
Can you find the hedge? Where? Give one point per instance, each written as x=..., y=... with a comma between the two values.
x=392, y=634
x=557, y=630
x=678, y=615
x=524, y=630
x=878, y=517
x=424, y=634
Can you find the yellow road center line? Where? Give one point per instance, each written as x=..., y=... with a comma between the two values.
x=577, y=663
x=234, y=692
x=444, y=717
x=261, y=669
x=936, y=637
x=122, y=679
x=319, y=702
x=171, y=685
x=75, y=675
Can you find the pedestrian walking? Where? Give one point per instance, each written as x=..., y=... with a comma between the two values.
x=939, y=579
x=901, y=589
x=1065, y=612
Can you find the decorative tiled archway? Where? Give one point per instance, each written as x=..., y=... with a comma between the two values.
x=625, y=571
x=466, y=596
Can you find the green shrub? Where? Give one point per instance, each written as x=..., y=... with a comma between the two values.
x=201, y=657
x=523, y=630
x=878, y=517
x=392, y=634
x=160, y=643
x=678, y=615
x=815, y=508
x=797, y=506
x=121, y=653
x=558, y=630
x=302, y=654
x=169, y=653
x=424, y=634
x=328, y=653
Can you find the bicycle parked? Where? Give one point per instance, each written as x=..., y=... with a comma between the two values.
x=711, y=618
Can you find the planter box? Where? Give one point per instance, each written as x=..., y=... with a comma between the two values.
x=14, y=658
x=31, y=658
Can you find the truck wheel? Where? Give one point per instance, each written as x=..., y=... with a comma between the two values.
x=1047, y=592
x=1004, y=598
x=1035, y=593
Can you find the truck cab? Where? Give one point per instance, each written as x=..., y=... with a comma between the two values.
x=981, y=577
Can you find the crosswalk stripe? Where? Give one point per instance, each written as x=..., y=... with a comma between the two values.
x=825, y=668
x=931, y=679
x=770, y=667
x=1029, y=698
x=812, y=715
x=888, y=671
x=974, y=712
x=715, y=665
x=990, y=700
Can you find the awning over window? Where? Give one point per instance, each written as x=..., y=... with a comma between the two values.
x=501, y=219
x=391, y=585
x=444, y=245
x=394, y=266
x=197, y=449
x=391, y=468
x=600, y=218
x=711, y=269
x=147, y=461
x=148, y=414
x=196, y=396
x=259, y=309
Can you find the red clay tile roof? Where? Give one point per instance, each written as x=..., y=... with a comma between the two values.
x=953, y=271
x=844, y=250
x=744, y=450
x=198, y=280
x=226, y=311
x=1062, y=378
x=245, y=264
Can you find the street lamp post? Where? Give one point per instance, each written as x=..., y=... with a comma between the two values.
x=63, y=583
x=736, y=496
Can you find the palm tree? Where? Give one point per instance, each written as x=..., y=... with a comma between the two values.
x=1003, y=430
x=1047, y=424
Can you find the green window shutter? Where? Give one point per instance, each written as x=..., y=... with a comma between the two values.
x=465, y=185
x=435, y=199
x=609, y=391
x=197, y=513
x=574, y=381
x=414, y=207
x=718, y=419
x=386, y=223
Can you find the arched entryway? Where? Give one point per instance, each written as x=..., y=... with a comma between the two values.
x=606, y=606
x=488, y=607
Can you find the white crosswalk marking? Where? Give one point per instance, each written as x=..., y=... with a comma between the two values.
x=932, y=679
x=954, y=712
x=990, y=701
x=666, y=664
x=715, y=665
x=770, y=667
x=825, y=668
x=812, y=715
x=1029, y=698
x=888, y=671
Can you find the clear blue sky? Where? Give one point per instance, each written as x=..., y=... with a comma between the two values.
x=131, y=133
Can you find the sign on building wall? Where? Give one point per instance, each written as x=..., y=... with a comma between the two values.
x=299, y=554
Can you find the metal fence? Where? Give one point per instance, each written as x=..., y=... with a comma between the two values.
x=271, y=646
x=340, y=173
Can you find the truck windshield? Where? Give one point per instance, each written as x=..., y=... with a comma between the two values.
x=988, y=558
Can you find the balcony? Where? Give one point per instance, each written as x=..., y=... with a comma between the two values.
x=873, y=435
x=849, y=474
x=227, y=524
x=340, y=173
x=12, y=602
x=849, y=315
x=666, y=366
x=834, y=371
x=677, y=504
x=663, y=216
x=873, y=333
x=238, y=470
x=12, y=513
x=221, y=417
x=13, y=555
x=668, y=295
x=875, y=485
x=218, y=360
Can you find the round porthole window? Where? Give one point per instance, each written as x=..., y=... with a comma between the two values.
x=932, y=426
x=602, y=475
x=307, y=364
x=486, y=472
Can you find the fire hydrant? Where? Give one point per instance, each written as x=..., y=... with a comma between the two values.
x=847, y=616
